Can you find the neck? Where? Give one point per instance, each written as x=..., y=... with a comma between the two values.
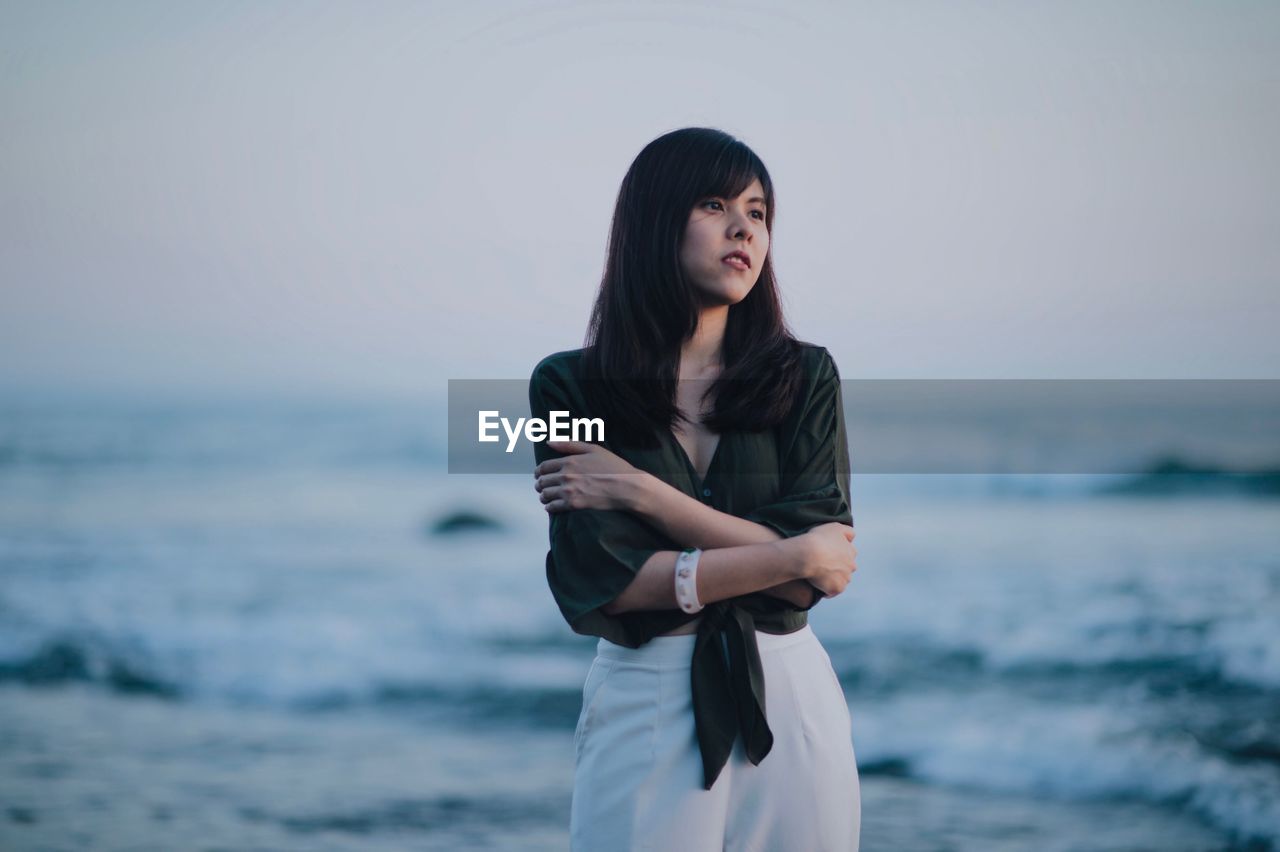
x=702, y=352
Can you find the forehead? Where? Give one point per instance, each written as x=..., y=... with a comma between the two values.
x=754, y=191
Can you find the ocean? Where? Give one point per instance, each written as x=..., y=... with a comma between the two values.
x=235, y=625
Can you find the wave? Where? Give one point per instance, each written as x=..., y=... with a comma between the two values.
x=68, y=660
x=881, y=666
x=471, y=705
x=1000, y=740
x=1171, y=730
x=1171, y=476
x=464, y=816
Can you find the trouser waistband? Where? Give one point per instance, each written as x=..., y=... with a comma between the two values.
x=677, y=651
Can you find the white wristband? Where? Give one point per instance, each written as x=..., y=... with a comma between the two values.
x=687, y=580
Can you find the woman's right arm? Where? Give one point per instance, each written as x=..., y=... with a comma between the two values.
x=824, y=557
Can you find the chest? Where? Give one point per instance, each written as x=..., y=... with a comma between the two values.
x=698, y=442
x=700, y=445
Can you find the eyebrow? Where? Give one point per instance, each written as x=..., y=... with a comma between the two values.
x=749, y=200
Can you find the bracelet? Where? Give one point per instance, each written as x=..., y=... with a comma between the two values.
x=687, y=579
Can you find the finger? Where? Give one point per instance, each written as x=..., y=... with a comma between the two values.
x=556, y=506
x=549, y=466
x=547, y=495
x=547, y=480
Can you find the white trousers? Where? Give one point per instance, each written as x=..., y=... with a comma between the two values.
x=638, y=778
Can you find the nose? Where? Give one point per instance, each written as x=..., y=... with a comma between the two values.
x=738, y=229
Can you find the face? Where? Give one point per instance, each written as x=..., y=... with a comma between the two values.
x=718, y=228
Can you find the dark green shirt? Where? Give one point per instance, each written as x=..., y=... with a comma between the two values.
x=788, y=478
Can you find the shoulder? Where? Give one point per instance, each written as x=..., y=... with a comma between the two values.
x=817, y=363
x=558, y=365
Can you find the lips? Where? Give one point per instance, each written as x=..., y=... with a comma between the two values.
x=737, y=258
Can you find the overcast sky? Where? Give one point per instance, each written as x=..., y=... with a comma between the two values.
x=376, y=197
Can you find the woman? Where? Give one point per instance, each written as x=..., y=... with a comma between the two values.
x=696, y=537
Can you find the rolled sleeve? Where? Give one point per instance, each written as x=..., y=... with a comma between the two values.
x=814, y=472
x=594, y=554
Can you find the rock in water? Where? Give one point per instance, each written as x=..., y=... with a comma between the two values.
x=463, y=521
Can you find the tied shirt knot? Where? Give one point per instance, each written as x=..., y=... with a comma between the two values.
x=728, y=688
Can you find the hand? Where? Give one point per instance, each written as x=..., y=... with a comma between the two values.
x=829, y=557
x=589, y=477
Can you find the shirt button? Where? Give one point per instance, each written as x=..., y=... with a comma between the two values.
x=706, y=492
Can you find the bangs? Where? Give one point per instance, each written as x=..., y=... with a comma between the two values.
x=732, y=172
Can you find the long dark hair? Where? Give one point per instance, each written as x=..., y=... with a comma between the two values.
x=645, y=308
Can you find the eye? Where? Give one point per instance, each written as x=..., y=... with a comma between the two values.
x=761, y=212
x=710, y=201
